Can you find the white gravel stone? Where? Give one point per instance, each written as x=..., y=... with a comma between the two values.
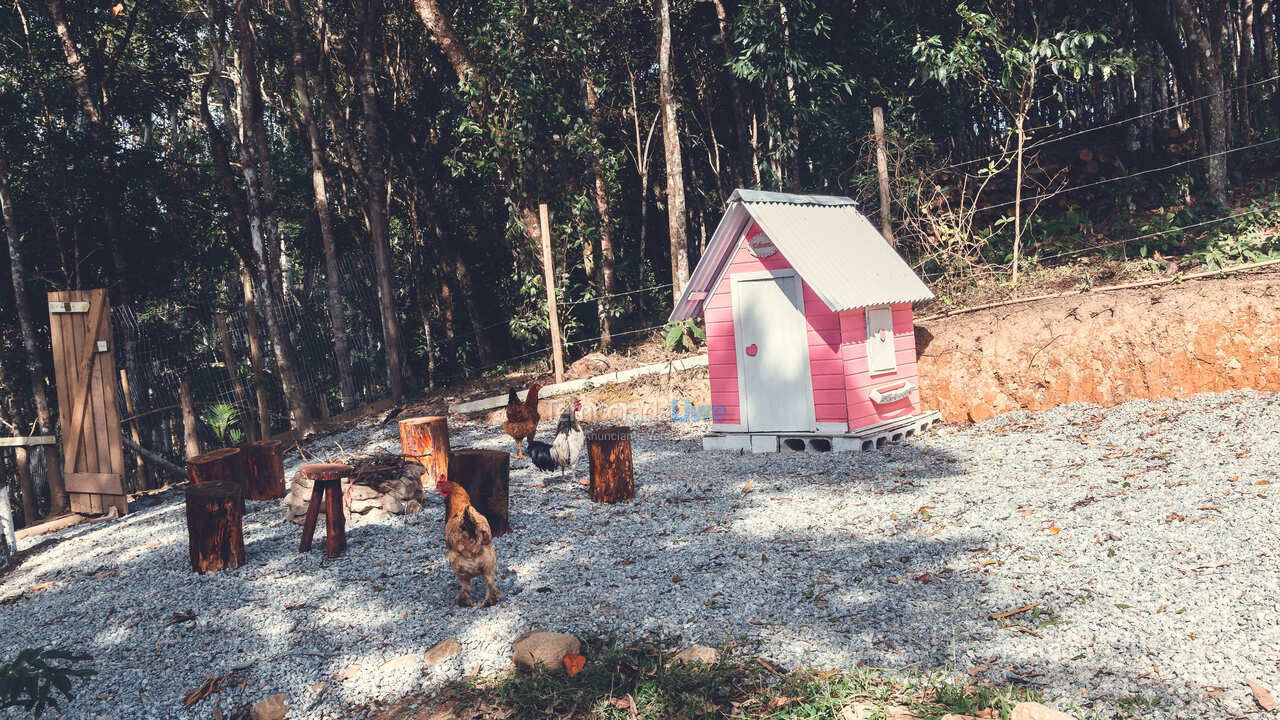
x=1145, y=532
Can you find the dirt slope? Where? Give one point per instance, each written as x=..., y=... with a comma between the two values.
x=1104, y=348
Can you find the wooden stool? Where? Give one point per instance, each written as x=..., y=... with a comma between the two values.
x=328, y=484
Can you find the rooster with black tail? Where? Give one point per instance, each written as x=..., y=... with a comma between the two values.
x=565, y=447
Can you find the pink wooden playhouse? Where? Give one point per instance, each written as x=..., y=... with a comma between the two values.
x=809, y=327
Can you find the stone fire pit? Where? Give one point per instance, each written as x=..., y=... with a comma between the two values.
x=383, y=485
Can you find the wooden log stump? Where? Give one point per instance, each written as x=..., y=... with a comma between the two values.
x=609, y=453
x=215, y=526
x=222, y=465
x=265, y=479
x=425, y=440
x=486, y=476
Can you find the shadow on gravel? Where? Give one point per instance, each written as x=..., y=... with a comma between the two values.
x=777, y=555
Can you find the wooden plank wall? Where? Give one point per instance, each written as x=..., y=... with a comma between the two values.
x=93, y=448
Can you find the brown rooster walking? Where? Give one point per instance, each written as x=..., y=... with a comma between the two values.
x=469, y=544
x=522, y=417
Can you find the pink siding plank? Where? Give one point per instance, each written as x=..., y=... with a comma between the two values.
x=825, y=366
x=720, y=315
x=829, y=413
x=902, y=319
x=825, y=336
x=829, y=396
x=722, y=357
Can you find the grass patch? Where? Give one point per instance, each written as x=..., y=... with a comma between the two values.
x=637, y=682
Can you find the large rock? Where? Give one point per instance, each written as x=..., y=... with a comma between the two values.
x=547, y=649
x=697, y=654
x=362, y=492
x=1104, y=348
x=443, y=650
x=589, y=365
x=275, y=707
x=1036, y=711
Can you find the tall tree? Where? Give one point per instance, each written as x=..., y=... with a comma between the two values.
x=376, y=197
x=255, y=167
x=677, y=221
x=302, y=82
x=1192, y=36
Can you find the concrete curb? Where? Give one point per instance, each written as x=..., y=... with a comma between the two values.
x=570, y=386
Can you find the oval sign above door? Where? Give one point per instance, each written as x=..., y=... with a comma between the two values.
x=761, y=246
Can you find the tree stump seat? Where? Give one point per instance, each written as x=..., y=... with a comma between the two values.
x=215, y=526
x=609, y=455
x=327, y=479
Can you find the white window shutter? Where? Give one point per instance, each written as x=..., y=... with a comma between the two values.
x=881, y=357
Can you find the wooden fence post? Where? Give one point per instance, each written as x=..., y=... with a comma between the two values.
x=190, y=426
x=549, y=275
x=882, y=169
x=144, y=475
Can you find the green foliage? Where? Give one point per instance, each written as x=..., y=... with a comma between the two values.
x=1255, y=237
x=30, y=681
x=221, y=419
x=631, y=681
x=683, y=335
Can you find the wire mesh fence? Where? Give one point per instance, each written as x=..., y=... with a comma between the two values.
x=212, y=351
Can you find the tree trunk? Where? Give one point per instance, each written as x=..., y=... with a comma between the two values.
x=793, y=102
x=605, y=279
x=79, y=74
x=233, y=374
x=376, y=202
x=742, y=149
x=215, y=527
x=333, y=295
x=677, y=225
x=190, y=426
x=30, y=503
x=1198, y=67
x=8, y=538
x=485, y=475
x=17, y=272
x=256, y=171
x=256, y=364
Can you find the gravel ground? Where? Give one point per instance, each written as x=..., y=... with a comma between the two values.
x=1146, y=533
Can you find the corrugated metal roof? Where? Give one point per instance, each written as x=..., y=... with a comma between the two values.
x=830, y=244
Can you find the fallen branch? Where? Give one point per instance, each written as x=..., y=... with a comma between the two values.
x=1011, y=613
x=153, y=458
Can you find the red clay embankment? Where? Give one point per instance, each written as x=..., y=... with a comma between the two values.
x=1104, y=348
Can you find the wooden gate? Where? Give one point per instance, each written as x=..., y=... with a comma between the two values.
x=85, y=366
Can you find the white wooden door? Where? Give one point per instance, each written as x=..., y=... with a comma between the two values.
x=773, y=354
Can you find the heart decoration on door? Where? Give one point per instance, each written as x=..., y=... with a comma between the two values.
x=752, y=350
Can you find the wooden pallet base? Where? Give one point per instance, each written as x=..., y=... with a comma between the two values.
x=868, y=438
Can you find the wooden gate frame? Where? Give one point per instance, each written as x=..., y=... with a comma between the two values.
x=85, y=368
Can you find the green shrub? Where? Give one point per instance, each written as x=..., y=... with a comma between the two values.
x=30, y=680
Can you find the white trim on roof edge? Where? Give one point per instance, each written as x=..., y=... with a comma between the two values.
x=832, y=246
